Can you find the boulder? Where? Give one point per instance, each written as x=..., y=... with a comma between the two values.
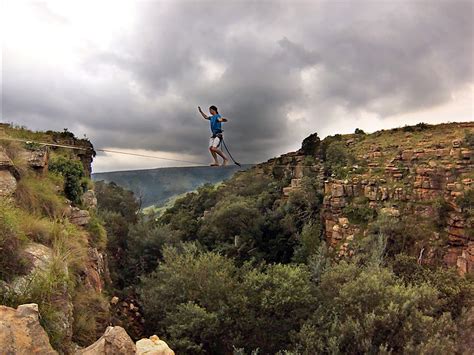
x=79, y=217
x=21, y=332
x=7, y=183
x=37, y=159
x=39, y=255
x=89, y=200
x=390, y=211
x=115, y=341
x=337, y=190
x=5, y=161
x=153, y=346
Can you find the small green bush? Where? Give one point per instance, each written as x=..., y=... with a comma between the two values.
x=416, y=128
x=469, y=138
x=97, y=233
x=310, y=145
x=309, y=242
x=359, y=214
x=73, y=172
x=359, y=131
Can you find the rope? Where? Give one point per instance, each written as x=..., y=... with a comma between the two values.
x=42, y=143
x=231, y=157
x=150, y=156
x=136, y=154
x=100, y=150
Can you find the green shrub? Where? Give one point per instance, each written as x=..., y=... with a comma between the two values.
x=466, y=201
x=206, y=279
x=309, y=242
x=230, y=218
x=337, y=154
x=359, y=214
x=442, y=208
x=366, y=310
x=205, y=304
x=359, y=131
x=469, y=138
x=456, y=293
x=97, y=233
x=113, y=198
x=192, y=327
x=73, y=172
x=416, y=128
x=404, y=234
x=310, y=145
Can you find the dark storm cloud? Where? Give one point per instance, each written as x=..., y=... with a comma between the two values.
x=382, y=57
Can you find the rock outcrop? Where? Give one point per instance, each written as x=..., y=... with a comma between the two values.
x=153, y=346
x=398, y=173
x=115, y=341
x=8, y=181
x=21, y=332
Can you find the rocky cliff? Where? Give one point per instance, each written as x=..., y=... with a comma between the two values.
x=51, y=241
x=420, y=176
x=53, y=262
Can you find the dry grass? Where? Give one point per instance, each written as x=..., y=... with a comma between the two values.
x=91, y=316
x=39, y=195
x=37, y=229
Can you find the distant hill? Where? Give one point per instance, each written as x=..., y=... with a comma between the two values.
x=156, y=186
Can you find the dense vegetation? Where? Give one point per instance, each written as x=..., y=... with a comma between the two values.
x=237, y=268
x=35, y=217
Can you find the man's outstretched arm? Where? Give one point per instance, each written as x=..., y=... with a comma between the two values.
x=222, y=119
x=202, y=113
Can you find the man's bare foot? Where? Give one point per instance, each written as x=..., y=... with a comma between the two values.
x=226, y=161
x=214, y=164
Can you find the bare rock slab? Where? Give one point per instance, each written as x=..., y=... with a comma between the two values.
x=153, y=346
x=115, y=341
x=21, y=332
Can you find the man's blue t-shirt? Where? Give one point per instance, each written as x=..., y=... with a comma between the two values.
x=215, y=124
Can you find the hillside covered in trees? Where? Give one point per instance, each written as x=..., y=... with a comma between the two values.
x=354, y=244
x=358, y=243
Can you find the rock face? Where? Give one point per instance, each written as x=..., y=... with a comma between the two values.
x=89, y=200
x=115, y=341
x=37, y=159
x=153, y=346
x=8, y=181
x=399, y=174
x=21, y=332
x=79, y=217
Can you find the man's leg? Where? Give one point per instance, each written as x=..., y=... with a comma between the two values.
x=212, y=143
x=214, y=155
x=222, y=155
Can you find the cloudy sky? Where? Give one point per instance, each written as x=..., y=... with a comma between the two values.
x=130, y=74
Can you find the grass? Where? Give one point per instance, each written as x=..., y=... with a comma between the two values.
x=39, y=195
x=36, y=229
x=52, y=286
x=91, y=316
x=12, y=240
x=97, y=233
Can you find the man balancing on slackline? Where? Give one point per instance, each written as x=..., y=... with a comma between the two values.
x=216, y=138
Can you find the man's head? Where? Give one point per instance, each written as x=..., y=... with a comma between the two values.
x=213, y=110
